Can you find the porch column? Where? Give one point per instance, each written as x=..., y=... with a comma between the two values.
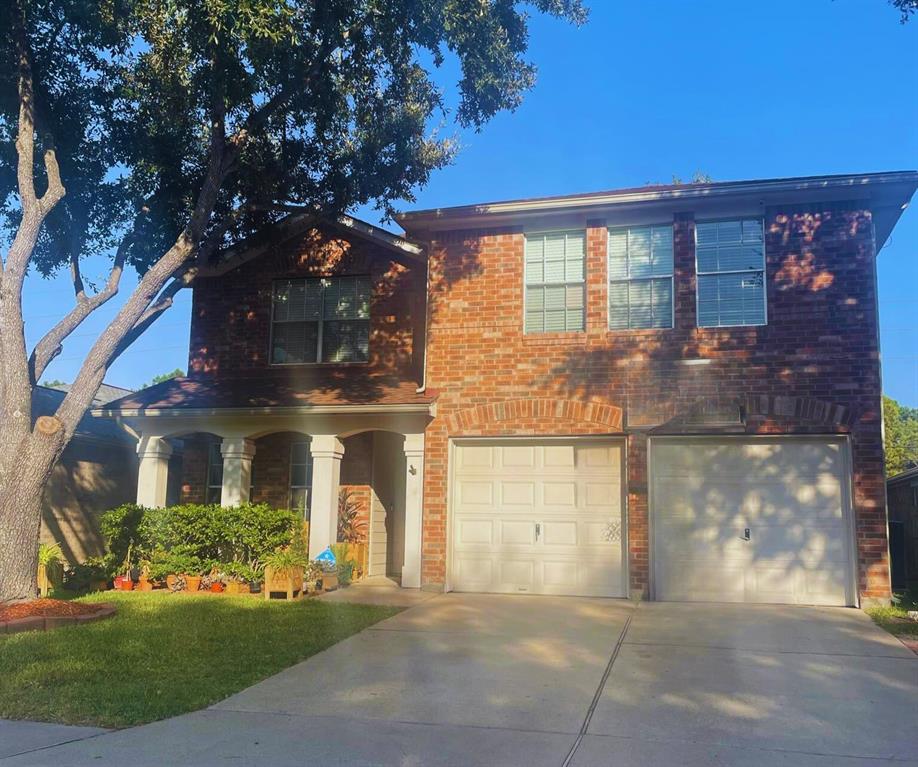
x=414, y=504
x=327, y=452
x=237, y=470
x=153, y=471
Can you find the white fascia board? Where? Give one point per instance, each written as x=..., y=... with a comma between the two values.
x=242, y=411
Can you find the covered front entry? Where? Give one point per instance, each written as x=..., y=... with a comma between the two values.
x=540, y=516
x=355, y=476
x=751, y=520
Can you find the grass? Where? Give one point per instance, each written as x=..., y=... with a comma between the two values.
x=894, y=618
x=164, y=654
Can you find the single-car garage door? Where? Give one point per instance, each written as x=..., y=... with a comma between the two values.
x=539, y=517
x=751, y=520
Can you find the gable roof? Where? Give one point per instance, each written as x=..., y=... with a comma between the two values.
x=300, y=223
x=889, y=194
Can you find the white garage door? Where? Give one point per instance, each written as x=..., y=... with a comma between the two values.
x=762, y=520
x=540, y=517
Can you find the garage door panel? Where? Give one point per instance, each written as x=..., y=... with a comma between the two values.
x=570, y=490
x=516, y=533
x=791, y=497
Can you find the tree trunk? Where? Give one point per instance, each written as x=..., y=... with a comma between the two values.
x=21, y=502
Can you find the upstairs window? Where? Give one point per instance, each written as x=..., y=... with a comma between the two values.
x=554, y=276
x=321, y=320
x=730, y=264
x=641, y=277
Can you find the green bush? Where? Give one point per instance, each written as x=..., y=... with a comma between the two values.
x=195, y=537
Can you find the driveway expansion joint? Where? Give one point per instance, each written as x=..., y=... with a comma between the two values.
x=599, y=690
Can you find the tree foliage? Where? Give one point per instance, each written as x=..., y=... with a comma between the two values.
x=900, y=425
x=337, y=102
x=906, y=8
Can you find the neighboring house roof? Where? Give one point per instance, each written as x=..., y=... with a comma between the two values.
x=106, y=392
x=284, y=389
x=904, y=476
x=46, y=400
x=888, y=192
x=300, y=223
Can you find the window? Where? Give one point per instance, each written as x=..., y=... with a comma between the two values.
x=554, y=282
x=321, y=320
x=214, y=487
x=641, y=277
x=300, y=478
x=730, y=263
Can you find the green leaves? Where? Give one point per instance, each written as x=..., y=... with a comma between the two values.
x=331, y=105
x=900, y=426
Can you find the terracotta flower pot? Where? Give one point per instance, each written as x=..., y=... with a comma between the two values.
x=145, y=585
x=192, y=582
x=216, y=587
x=126, y=584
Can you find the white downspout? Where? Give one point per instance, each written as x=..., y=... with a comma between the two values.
x=423, y=387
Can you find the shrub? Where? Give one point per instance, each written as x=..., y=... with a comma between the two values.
x=120, y=530
x=194, y=537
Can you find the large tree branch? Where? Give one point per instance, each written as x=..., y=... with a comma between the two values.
x=146, y=303
x=50, y=345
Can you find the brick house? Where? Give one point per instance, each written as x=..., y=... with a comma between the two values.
x=668, y=391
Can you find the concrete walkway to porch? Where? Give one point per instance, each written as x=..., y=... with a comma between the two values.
x=526, y=680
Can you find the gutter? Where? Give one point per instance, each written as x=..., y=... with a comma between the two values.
x=176, y=412
x=630, y=197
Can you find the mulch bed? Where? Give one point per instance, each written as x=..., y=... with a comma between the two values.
x=46, y=608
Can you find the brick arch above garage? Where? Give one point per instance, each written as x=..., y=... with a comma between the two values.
x=535, y=415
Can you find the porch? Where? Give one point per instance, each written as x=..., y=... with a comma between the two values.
x=371, y=457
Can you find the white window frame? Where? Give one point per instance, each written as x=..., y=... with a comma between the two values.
x=629, y=279
x=321, y=321
x=764, y=272
x=526, y=284
x=308, y=486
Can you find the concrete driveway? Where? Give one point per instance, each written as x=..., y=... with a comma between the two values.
x=523, y=680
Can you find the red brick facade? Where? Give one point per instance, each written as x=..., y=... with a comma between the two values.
x=813, y=369
x=231, y=314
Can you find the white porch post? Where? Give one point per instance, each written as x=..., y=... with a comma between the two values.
x=327, y=452
x=153, y=471
x=414, y=504
x=237, y=470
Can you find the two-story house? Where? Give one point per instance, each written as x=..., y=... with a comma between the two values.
x=671, y=391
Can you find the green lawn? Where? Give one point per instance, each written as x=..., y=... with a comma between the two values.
x=164, y=654
x=894, y=618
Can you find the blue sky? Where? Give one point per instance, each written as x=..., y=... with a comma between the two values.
x=648, y=90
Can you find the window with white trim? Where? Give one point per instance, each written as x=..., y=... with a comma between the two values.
x=640, y=277
x=213, y=488
x=554, y=275
x=730, y=265
x=300, y=478
x=321, y=320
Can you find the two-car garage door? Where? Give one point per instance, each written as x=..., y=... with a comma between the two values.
x=537, y=516
x=751, y=520
x=732, y=519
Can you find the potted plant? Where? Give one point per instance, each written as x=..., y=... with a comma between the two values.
x=284, y=573
x=50, y=567
x=237, y=578
x=215, y=581
x=144, y=583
